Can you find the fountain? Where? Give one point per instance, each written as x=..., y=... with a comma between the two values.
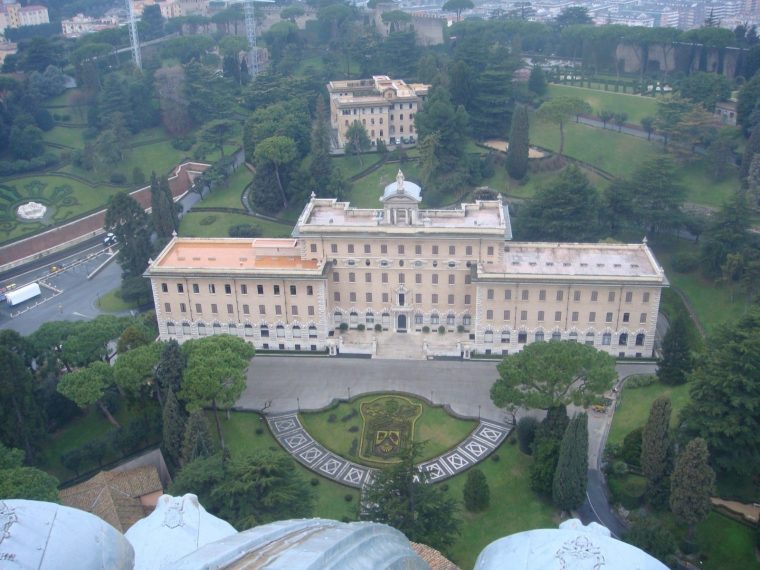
x=31, y=211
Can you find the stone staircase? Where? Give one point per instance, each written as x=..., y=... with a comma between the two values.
x=400, y=346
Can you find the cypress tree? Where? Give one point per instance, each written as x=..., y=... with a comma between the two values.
x=537, y=81
x=476, y=493
x=170, y=367
x=173, y=428
x=197, y=441
x=692, y=484
x=752, y=147
x=155, y=204
x=517, y=152
x=320, y=167
x=570, y=477
x=546, y=447
x=676, y=359
x=169, y=209
x=655, y=449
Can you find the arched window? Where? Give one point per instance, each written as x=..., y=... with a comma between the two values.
x=488, y=336
x=573, y=337
x=590, y=338
x=337, y=317
x=539, y=336
x=170, y=328
x=418, y=319
x=556, y=335
x=217, y=328
x=312, y=331
x=506, y=337
x=640, y=339
x=370, y=319
x=280, y=331
x=434, y=319
x=353, y=317
x=623, y=340
x=467, y=320
x=248, y=330
x=232, y=329
x=264, y=330
x=201, y=329
x=606, y=339
x=186, y=328
x=296, y=331
x=450, y=320
x=386, y=319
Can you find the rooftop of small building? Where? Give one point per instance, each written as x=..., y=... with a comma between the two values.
x=234, y=253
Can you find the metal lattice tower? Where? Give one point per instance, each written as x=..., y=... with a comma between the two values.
x=250, y=34
x=134, y=39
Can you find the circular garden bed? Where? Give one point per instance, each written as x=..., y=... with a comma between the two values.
x=376, y=430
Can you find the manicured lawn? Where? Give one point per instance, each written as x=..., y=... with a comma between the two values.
x=67, y=198
x=240, y=436
x=635, y=106
x=349, y=165
x=67, y=136
x=191, y=226
x=514, y=507
x=112, y=302
x=366, y=192
x=634, y=405
x=229, y=197
x=435, y=426
x=726, y=543
x=702, y=189
x=535, y=180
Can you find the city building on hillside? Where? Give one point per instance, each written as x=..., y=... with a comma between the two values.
x=14, y=15
x=81, y=24
x=726, y=112
x=407, y=270
x=384, y=106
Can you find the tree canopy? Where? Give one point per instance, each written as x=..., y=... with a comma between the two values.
x=545, y=374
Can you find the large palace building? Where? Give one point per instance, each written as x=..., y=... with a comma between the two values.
x=409, y=271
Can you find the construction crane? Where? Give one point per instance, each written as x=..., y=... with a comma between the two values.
x=134, y=39
x=250, y=33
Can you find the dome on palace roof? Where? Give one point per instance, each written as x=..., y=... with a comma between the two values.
x=401, y=186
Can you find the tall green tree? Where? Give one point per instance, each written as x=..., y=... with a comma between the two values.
x=519, y=146
x=676, y=361
x=215, y=373
x=490, y=110
x=566, y=210
x=400, y=496
x=320, y=167
x=129, y=223
x=725, y=396
x=88, y=386
x=21, y=419
x=655, y=448
x=357, y=140
x=173, y=428
x=571, y=476
x=656, y=195
x=457, y=6
x=692, y=484
x=20, y=482
x=537, y=81
x=727, y=233
x=546, y=446
x=546, y=374
x=278, y=152
x=647, y=123
x=669, y=114
x=558, y=111
x=706, y=89
x=751, y=148
x=134, y=371
x=170, y=367
x=216, y=133
x=441, y=116
x=476, y=493
x=197, y=441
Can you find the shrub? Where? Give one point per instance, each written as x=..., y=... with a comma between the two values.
x=349, y=416
x=685, y=262
x=118, y=178
x=244, y=230
x=65, y=118
x=441, y=329
x=631, y=452
x=445, y=487
x=349, y=497
x=314, y=482
x=495, y=458
x=331, y=418
x=208, y=220
x=620, y=468
x=346, y=519
x=526, y=433
x=640, y=381
x=184, y=143
x=426, y=329
x=354, y=447
x=360, y=327
x=353, y=429
x=378, y=327
x=343, y=326
x=259, y=431
x=56, y=117
x=138, y=176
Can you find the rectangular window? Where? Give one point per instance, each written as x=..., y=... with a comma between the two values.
x=309, y=290
x=507, y=294
x=646, y=297
x=180, y=288
x=227, y=289
x=542, y=295
x=418, y=250
x=489, y=294
x=525, y=295
x=262, y=309
x=352, y=297
x=467, y=299
x=198, y=308
x=452, y=250
x=313, y=248
x=164, y=288
x=592, y=317
x=401, y=250
x=626, y=317
x=278, y=309
x=642, y=318
x=611, y=297
x=451, y=299
x=451, y=279
x=368, y=277
x=350, y=248
x=368, y=297
x=434, y=277
x=594, y=296
x=384, y=277
x=383, y=248
x=468, y=250
x=418, y=297
x=385, y=297
x=576, y=296
x=490, y=250
x=310, y=310
x=182, y=308
x=523, y=315
x=276, y=289
x=351, y=277
x=196, y=288
x=260, y=289
x=294, y=310
x=168, y=307
x=507, y=315
x=540, y=316
x=435, y=250
x=244, y=289
x=230, y=309
x=246, y=310
x=435, y=298
x=628, y=297
x=334, y=248
x=211, y=288
x=293, y=290
x=336, y=277
x=367, y=248
x=213, y=308
x=418, y=278
x=467, y=279
x=401, y=278
x=489, y=315
x=557, y=316
x=336, y=296
x=560, y=294
x=608, y=318
x=574, y=317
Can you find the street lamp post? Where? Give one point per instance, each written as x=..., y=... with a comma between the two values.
x=298, y=401
x=349, y=391
x=478, y=411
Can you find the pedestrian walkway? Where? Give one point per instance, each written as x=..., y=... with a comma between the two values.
x=294, y=438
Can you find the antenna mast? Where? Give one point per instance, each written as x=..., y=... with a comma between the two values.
x=134, y=39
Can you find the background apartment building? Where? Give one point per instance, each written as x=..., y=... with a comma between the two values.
x=14, y=15
x=408, y=270
x=384, y=106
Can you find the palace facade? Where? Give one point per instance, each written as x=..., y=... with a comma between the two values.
x=408, y=270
